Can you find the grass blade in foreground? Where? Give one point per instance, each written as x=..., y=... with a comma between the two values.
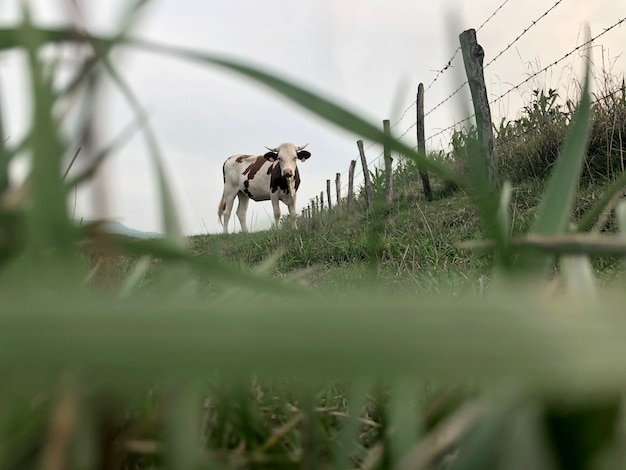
x=522, y=342
x=314, y=103
x=50, y=227
x=554, y=213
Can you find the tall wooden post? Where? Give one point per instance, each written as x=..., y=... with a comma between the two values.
x=4, y=162
x=421, y=141
x=338, y=188
x=473, y=55
x=351, y=186
x=369, y=193
x=328, y=194
x=322, y=200
x=388, y=163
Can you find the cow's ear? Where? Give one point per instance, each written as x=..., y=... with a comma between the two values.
x=271, y=156
x=303, y=155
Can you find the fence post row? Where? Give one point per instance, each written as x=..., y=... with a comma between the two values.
x=421, y=141
x=369, y=194
x=388, y=163
x=473, y=55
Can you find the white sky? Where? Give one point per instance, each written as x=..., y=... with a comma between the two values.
x=367, y=54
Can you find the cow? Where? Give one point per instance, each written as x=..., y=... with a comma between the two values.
x=272, y=176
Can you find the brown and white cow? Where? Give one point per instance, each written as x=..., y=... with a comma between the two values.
x=272, y=176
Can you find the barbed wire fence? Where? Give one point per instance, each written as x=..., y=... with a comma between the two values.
x=372, y=162
x=440, y=72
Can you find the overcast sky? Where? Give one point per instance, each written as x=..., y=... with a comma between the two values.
x=369, y=55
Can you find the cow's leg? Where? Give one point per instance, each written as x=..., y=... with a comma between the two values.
x=292, y=212
x=242, y=209
x=229, y=200
x=276, y=207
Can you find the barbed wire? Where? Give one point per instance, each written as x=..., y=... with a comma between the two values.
x=407, y=130
x=498, y=142
x=404, y=114
x=445, y=67
x=359, y=172
x=446, y=129
x=492, y=15
x=456, y=52
x=556, y=62
x=455, y=92
x=450, y=96
x=553, y=117
x=528, y=28
x=601, y=98
x=449, y=64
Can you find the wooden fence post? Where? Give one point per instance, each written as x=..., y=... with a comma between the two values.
x=351, y=186
x=421, y=141
x=4, y=162
x=322, y=200
x=473, y=55
x=328, y=194
x=369, y=193
x=338, y=190
x=388, y=164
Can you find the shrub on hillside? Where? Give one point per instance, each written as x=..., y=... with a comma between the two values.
x=527, y=147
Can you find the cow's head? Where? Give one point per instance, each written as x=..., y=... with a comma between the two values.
x=286, y=155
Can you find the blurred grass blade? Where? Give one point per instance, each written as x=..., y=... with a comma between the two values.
x=135, y=277
x=555, y=210
x=4, y=157
x=128, y=17
x=347, y=442
x=480, y=449
x=211, y=266
x=503, y=215
x=49, y=222
x=578, y=275
x=524, y=445
x=604, y=203
x=183, y=428
x=87, y=173
x=444, y=438
x=620, y=212
x=171, y=224
x=313, y=102
x=403, y=418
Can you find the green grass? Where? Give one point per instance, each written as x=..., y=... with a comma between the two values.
x=357, y=344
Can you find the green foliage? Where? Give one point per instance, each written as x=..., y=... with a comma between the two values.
x=378, y=182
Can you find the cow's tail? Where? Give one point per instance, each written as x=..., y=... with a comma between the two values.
x=220, y=210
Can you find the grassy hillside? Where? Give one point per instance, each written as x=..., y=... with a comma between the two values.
x=413, y=243
x=411, y=246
